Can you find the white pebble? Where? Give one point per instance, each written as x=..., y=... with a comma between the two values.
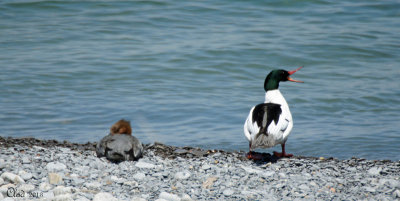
x=10, y=177
x=26, y=187
x=93, y=185
x=55, y=167
x=102, y=196
x=63, y=197
x=60, y=190
x=45, y=186
x=228, y=192
x=169, y=196
x=375, y=171
x=141, y=164
x=139, y=176
x=182, y=175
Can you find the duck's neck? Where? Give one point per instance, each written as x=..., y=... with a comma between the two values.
x=275, y=96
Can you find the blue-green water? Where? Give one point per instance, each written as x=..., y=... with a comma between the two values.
x=188, y=72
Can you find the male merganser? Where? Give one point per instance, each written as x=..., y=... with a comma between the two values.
x=270, y=123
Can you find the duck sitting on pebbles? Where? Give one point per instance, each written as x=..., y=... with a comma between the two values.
x=120, y=145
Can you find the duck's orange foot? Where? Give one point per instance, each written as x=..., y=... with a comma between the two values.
x=282, y=155
x=255, y=156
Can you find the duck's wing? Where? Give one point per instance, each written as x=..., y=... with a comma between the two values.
x=265, y=116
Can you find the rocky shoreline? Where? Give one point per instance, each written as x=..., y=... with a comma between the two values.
x=33, y=169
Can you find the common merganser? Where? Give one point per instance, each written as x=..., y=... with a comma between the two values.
x=120, y=145
x=270, y=123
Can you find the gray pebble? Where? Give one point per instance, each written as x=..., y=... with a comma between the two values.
x=25, y=160
x=169, y=196
x=182, y=175
x=141, y=164
x=206, y=167
x=218, y=176
x=55, y=167
x=11, y=177
x=139, y=176
x=375, y=170
x=228, y=192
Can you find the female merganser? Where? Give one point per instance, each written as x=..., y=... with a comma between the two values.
x=270, y=123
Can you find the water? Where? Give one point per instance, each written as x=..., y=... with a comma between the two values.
x=187, y=73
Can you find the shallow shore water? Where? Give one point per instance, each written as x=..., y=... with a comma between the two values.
x=33, y=169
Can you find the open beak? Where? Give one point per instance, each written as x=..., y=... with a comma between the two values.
x=293, y=71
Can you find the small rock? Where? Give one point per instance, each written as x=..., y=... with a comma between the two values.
x=2, y=164
x=25, y=160
x=351, y=169
x=251, y=170
x=312, y=183
x=375, y=171
x=45, y=186
x=4, y=188
x=131, y=183
x=209, y=182
x=117, y=179
x=369, y=189
x=304, y=188
x=63, y=197
x=26, y=176
x=180, y=151
x=78, y=181
x=93, y=185
x=102, y=196
x=186, y=197
x=198, y=153
x=60, y=190
x=228, y=192
x=396, y=193
x=169, y=196
x=55, y=167
x=1, y=181
x=141, y=164
x=139, y=176
x=55, y=178
x=216, y=154
x=138, y=199
x=48, y=195
x=26, y=187
x=206, y=167
x=282, y=175
x=82, y=199
x=10, y=177
x=268, y=173
x=182, y=175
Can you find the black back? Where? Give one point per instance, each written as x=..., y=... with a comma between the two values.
x=265, y=113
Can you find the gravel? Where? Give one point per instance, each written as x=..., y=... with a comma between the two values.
x=32, y=169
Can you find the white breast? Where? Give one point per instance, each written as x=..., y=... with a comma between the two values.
x=285, y=123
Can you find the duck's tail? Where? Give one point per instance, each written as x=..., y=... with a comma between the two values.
x=263, y=140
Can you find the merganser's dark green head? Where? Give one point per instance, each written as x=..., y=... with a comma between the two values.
x=274, y=77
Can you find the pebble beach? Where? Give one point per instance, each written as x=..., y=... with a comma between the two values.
x=33, y=169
